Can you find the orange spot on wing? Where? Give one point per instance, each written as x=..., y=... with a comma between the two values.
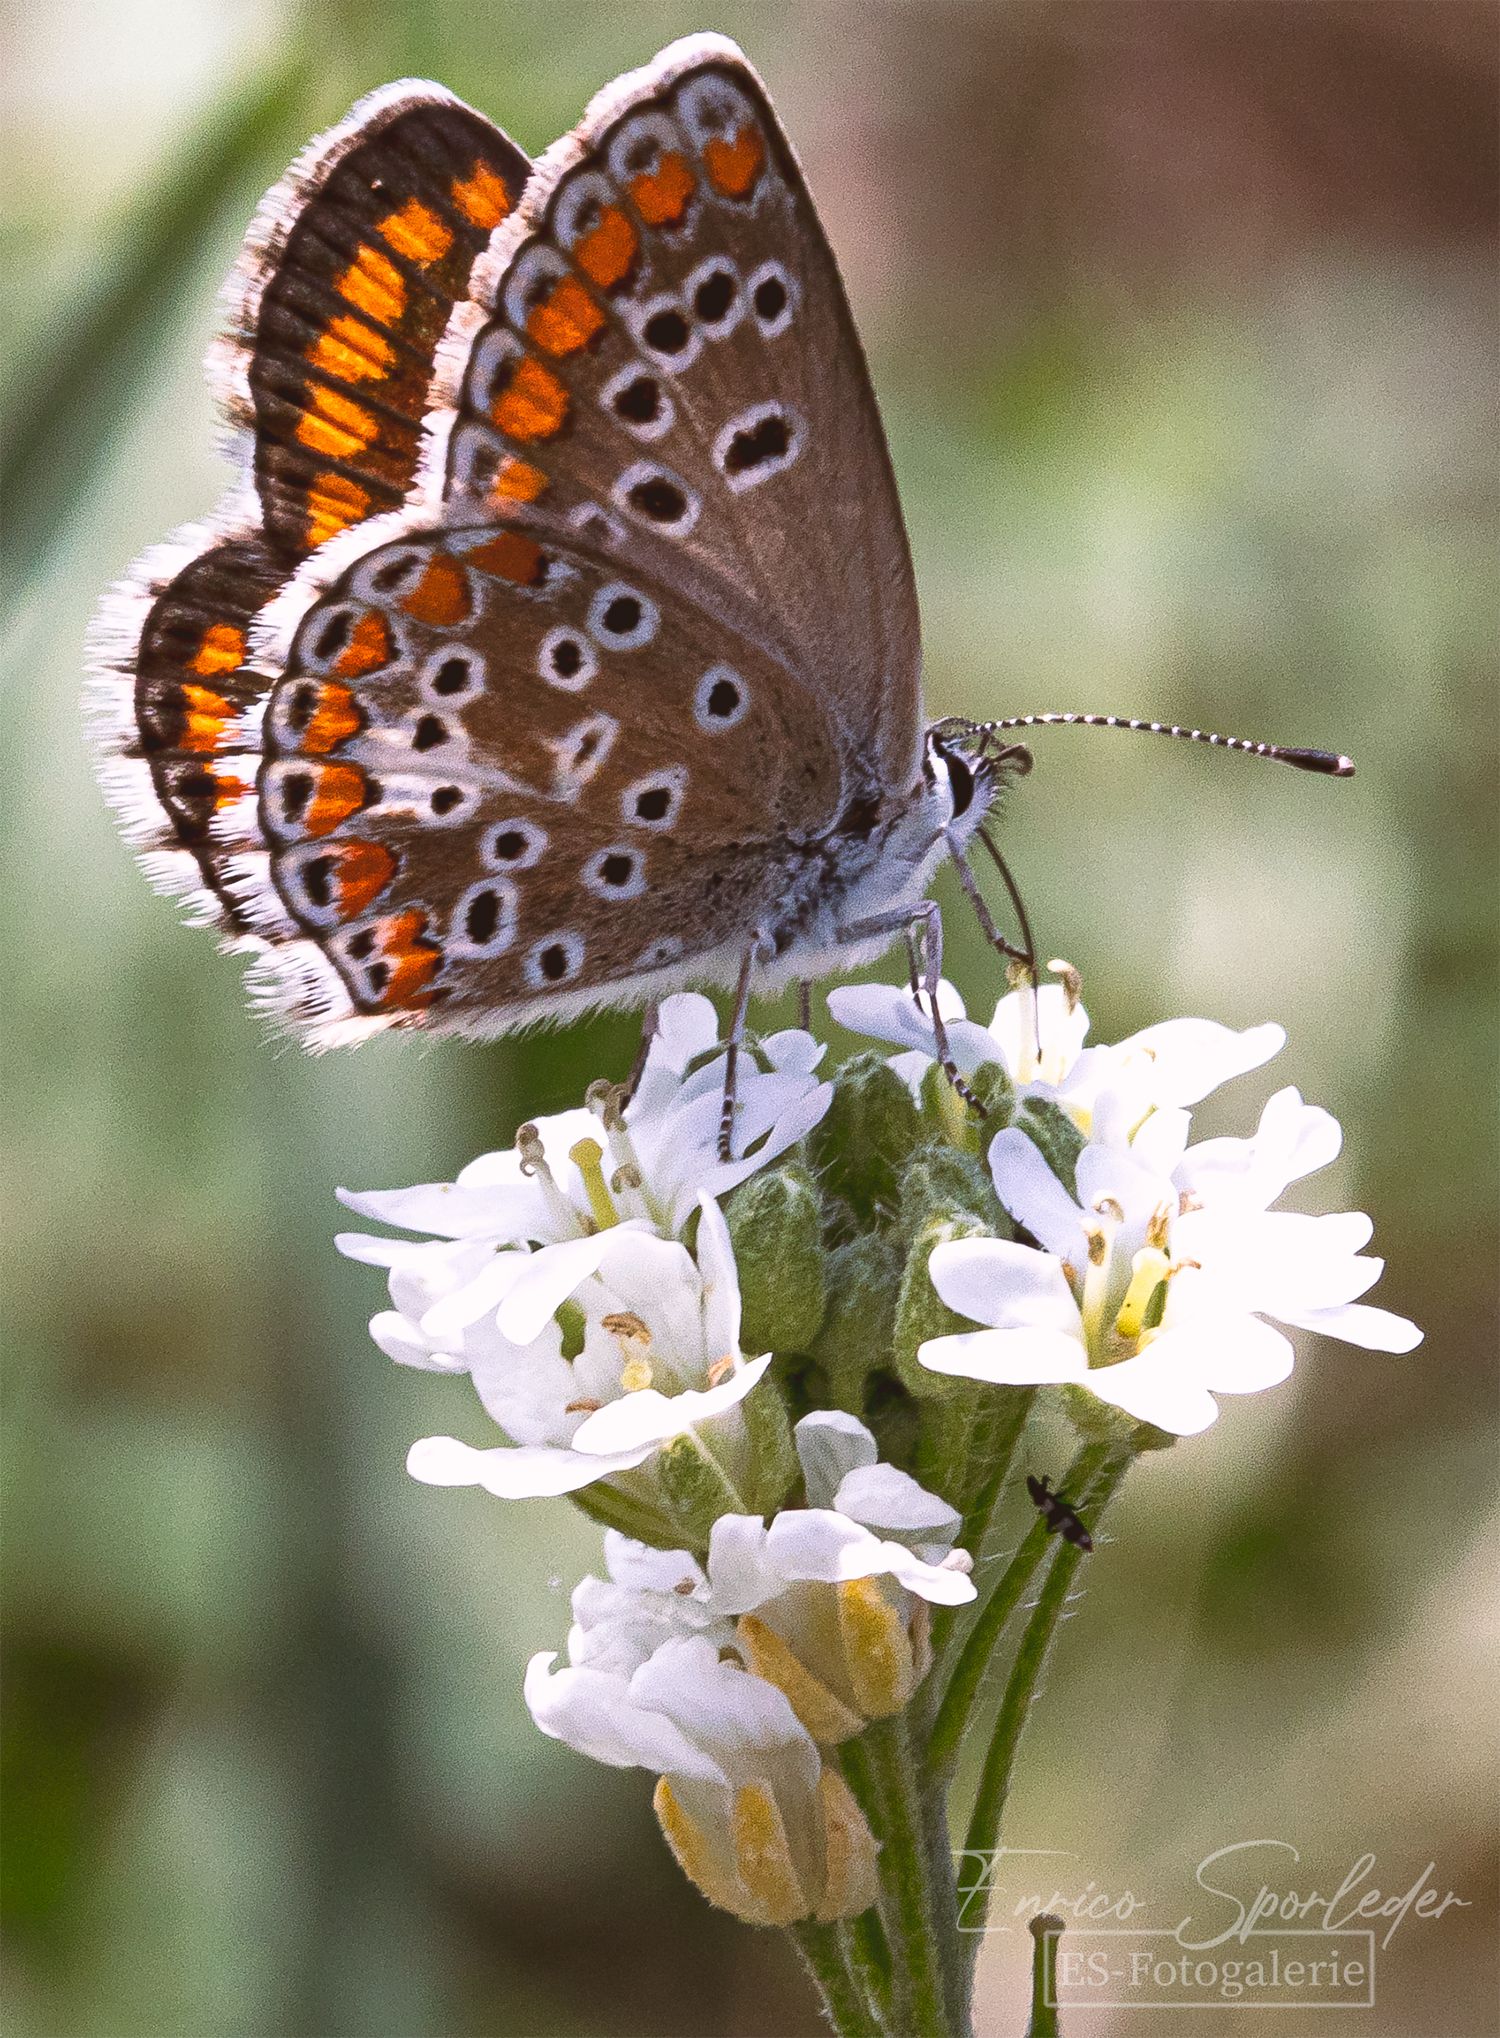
x=208, y=715
x=414, y=962
x=661, y=195
x=416, y=232
x=228, y=789
x=334, y=502
x=335, y=424
x=340, y=792
x=734, y=166
x=566, y=320
x=352, y=351
x=369, y=645
x=533, y=404
x=222, y=650
x=517, y=481
x=510, y=556
x=441, y=596
x=607, y=250
x=333, y=720
x=374, y=285
x=361, y=874
x=482, y=198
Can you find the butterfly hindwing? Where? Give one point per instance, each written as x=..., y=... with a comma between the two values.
x=498, y=772
x=661, y=353
x=336, y=307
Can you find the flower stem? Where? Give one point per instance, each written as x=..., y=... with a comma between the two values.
x=993, y=1440
x=843, y=1999
x=883, y=1775
x=962, y=1690
x=1026, y=1670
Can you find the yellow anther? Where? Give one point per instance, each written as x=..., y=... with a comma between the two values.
x=588, y=1157
x=1157, y=1230
x=1187, y=1202
x=1098, y=1239
x=626, y=1177
x=607, y=1101
x=1149, y=1269
x=720, y=1370
x=635, y=1375
x=584, y=1407
x=1106, y=1206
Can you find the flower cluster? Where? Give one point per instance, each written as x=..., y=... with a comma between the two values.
x=781, y=1382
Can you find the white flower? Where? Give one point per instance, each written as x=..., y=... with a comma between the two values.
x=658, y=1358
x=1038, y=1038
x=1151, y=1288
x=725, y=1677
x=754, y=1816
x=581, y=1172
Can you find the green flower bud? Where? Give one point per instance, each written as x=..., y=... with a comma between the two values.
x=1055, y=1136
x=922, y=1314
x=694, y=1487
x=864, y=1281
x=950, y=1118
x=942, y=1182
x=867, y=1134
x=770, y=1455
x=776, y=1226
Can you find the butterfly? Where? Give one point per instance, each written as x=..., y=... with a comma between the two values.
x=558, y=645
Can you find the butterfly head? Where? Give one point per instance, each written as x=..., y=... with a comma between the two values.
x=965, y=770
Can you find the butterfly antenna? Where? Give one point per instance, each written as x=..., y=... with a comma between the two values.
x=1332, y=763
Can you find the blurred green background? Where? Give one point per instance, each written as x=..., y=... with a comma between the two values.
x=1183, y=321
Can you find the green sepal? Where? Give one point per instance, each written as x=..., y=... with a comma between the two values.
x=1055, y=1137
x=867, y=1134
x=634, y=1518
x=864, y=1283
x=956, y=1122
x=770, y=1454
x=775, y=1226
x=695, y=1489
x=922, y=1314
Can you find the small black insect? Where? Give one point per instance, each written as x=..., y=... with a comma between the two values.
x=1056, y=1513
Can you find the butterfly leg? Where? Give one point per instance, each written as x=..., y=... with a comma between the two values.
x=924, y=920
x=759, y=950
x=804, y=1005
x=649, y=1019
x=992, y=934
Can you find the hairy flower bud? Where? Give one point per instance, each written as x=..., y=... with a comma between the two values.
x=776, y=1227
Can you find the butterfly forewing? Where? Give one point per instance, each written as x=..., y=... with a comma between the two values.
x=669, y=363
x=498, y=771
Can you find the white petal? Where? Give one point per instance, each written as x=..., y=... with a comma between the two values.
x=1161, y=1142
x=1226, y=1354
x=1014, y=1358
x=889, y=1501
x=593, y=1711
x=1170, y=1397
x=439, y=1207
x=831, y=1444
x=1011, y=1286
x=1378, y=1330
x=1191, y=1057
x=1032, y=1193
x=798, y=1114
x=1021, y=1016
x=793, y=1052
x=525, y=1472
x=815, y=1545
x=644, y=1569
x=400, y=1339
x=718, y=1706
x=720, y=1283
x=549, y=1278
x=639, y=1422
x=451, y=1316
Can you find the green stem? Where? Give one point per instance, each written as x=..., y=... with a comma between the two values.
x=1026, y=1670
x=1045, y=1932
x=882, y=1773
x=843, y=2000
x=994, y=1437
x=869, y=1956
x=959, y=1698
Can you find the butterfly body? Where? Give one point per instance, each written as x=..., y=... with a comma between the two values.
x=559, y=646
